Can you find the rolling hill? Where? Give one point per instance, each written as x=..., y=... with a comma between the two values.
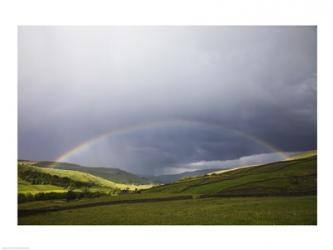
x=33, y=180
x=292, y=177
x=276, y=193
x=111, y=174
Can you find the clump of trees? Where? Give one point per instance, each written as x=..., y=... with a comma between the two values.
x=68, y=196
x=40, y=196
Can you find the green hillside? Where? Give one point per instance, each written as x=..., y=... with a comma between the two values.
x=293, y=177
x=112, y=174
x=34, y=180
x=303, y=155
x=281, y=193
x=26, y=187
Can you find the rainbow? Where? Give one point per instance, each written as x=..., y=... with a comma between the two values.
x=87, y=143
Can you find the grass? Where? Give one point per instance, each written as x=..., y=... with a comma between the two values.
x=64, y=203
x=112, y=174
x=95, y=184
x=88, y=178
x=303, y=155
x=281, y=193
x=300, y=210
x=293, y=177
x=35, y=189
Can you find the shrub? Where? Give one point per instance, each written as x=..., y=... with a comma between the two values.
x=71, y=195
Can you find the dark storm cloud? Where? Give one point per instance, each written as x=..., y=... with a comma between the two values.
x=164, y=148
x=79, y=82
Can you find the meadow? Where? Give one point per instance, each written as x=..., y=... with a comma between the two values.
x=279, y=193
x=292, y=177
x=211, y=211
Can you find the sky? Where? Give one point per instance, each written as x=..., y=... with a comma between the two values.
x=166, y=99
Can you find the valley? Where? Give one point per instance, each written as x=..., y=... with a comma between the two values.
x=282, y=193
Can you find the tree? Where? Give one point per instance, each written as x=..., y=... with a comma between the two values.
x=70, y=195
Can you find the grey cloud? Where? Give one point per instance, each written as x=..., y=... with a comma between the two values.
x=78, y=82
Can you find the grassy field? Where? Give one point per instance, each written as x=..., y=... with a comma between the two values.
x=102, y=199
x=281, y=193
x=32, y=180
x=294, y=177
x=25, y=187
x=37, y=183
x=300, y=210
x=34, y=189
x=111, y=174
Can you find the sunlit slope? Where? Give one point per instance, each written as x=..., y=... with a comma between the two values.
x=111, y=174
x=294, y=177
x=31, y=179
x=303, y=155
x=27, y=187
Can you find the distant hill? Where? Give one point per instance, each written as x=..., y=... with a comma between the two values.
x=291, y=177
x=163, y=179
x=112, y=174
